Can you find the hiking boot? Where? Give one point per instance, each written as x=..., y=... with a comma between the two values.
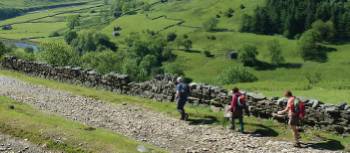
x=297, y=145
x=231, y=127
x=186, y=117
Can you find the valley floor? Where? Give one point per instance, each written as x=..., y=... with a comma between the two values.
x=140, y=123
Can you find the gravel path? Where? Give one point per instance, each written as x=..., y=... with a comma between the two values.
x=141, y=124
x=13, y=145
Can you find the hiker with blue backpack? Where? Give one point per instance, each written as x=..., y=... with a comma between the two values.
x=238, y=104
x=296, y=112
x=181, y=97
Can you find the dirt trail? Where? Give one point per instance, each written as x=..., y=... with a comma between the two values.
x=141, y=124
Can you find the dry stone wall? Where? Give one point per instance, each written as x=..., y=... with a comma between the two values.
x=334, y=118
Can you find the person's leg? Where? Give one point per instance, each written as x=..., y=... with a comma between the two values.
x=180, y=109
x=296, y=135
x=241, y=123
x=232, y=123
x=293, y=125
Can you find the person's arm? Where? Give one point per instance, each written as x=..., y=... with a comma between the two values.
x=287, y=107
x=177, y=95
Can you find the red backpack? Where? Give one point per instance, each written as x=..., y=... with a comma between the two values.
x=299, y=108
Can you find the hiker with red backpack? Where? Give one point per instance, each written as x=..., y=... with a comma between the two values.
x=238, y=104
x=296, y=112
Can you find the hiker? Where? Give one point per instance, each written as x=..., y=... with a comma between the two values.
x=182, y=93
x=238, y=104
x=296, y=111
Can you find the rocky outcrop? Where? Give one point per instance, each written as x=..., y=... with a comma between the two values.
x=334, y=118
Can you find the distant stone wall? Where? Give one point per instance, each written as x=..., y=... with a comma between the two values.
x=334, y=118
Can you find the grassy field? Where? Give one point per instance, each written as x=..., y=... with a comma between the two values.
x=39, y=25
x=41, y=128
x=254, y=125
x=32, y=3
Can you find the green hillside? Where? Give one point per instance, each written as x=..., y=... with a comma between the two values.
x=332, y=86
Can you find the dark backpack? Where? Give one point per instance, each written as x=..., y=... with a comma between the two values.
x=184, y=90
x=241, y=101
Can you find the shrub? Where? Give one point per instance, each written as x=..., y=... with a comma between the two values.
x=212, y=37
x=235, y=75
x=22, y=54
x=242, y=6
x=207, y=54
x=229, y=13
x=54, y=34
x=171, y=37
x=313, y=78
x=57, y=53
x=211, y=24
x=29, y=50
x=275, y=51
x=248, y=55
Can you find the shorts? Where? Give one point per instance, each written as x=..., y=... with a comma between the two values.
x=293, y=120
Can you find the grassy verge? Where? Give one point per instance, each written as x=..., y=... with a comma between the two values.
x=59, y=134
x=199, y=115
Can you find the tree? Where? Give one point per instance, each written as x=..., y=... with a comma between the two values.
x=144, y=55
x=236, y=74
x=73, y=21
x=70, y=36
x=291, y=17
x=58, y=53
x=146, y=7
x=309, y=49
x=88, y=41
x=247, y=24
x=29, y=50
x=275, y=51
x=248, y=55
x=103, y=62
x=3, y=49
x=325, y=29
x=187, y=44
x=210, y=24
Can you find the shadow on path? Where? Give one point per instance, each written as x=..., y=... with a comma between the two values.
x=203, y=121
x=263, y=131
x=329, y=144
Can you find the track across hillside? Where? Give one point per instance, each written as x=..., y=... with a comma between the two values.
x=140, y=123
